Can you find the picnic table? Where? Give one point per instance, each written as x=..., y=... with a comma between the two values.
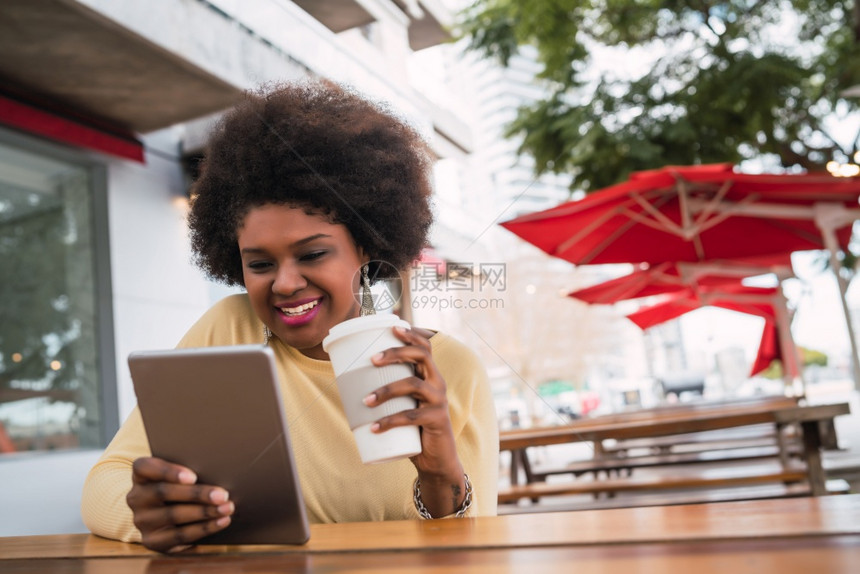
x=799, y=460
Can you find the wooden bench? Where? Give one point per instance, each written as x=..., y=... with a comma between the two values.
x=708, y=479
x=756, y=435
x=842, y=467
x=808, y=419
x=627, y=500
x=626, y=465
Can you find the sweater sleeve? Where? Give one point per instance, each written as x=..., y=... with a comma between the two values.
x=478, y=442
x=103, y=506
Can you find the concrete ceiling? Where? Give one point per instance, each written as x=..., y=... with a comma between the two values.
x=429, y=26
x=425, y=29
x=336, y=15
x=61, y=52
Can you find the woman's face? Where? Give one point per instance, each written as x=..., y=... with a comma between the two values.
x=300, y=273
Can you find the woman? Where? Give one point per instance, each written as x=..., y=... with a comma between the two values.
x=305, y=188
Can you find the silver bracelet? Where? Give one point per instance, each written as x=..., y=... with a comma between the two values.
x=424, y=513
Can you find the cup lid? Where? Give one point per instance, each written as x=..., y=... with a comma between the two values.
x=359, y=324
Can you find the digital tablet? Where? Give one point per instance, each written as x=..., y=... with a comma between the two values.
x=218, y=411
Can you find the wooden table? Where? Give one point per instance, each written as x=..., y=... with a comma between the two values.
x=784, y=535
x=688, y=420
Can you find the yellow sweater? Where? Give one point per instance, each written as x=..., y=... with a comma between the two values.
x=336, y=486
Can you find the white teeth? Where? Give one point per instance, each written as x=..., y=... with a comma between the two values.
x=300, y=309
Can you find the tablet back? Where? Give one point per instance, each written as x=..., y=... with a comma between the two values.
x=217, y=410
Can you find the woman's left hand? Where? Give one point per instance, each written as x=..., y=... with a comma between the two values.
x=439, y=468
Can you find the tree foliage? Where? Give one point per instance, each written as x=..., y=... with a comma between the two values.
x=807, y=357
x=37, y=327
x=711, y=81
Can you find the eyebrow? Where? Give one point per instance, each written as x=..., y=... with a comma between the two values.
x=298, y=243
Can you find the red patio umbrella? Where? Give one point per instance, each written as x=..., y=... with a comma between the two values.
x=701, y=214
x=695, y=213
x=740, y=298
x=671, y=277
x=763, y=302
x=696, y=282
x=768, y=350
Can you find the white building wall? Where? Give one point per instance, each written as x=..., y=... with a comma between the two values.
x=157, y=292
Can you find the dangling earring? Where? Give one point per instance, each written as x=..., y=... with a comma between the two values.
x=366, y=296
x=266, y=336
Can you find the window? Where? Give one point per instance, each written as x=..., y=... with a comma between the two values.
x=51, y=370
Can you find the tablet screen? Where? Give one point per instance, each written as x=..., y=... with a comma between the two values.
x=218, y=411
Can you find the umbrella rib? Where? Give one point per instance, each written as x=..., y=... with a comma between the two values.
x=638, y=218
x=688, y=226
x=661, y=274
x=681, y=190
x=574, y=239
x=699, y=247
x=634, y=287
x=802, y=233
x=774, y=222
x=597, y=222
x=711, y=206
x=622, y=229
x=658, y=215
x=722, y=216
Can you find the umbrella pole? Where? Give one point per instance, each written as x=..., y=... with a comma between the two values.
x=833, y=247
x=788, y=349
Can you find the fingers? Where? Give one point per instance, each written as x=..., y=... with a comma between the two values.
x=170, y=509
x=438, y=446
x=180, y=514
x=412, y=337
x=427, y=387
x=432, y=411
x=425, y=392
x=157, y=493
x=171, y=539
x=430, y=419
x=146, y=469
x=417, y=350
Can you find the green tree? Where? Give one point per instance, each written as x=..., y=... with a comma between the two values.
x=720, y=81
x=807, y=357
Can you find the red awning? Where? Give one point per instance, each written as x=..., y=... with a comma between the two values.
x=36, y=120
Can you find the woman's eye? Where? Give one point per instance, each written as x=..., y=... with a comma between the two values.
x=312, y=255
x=258, y=265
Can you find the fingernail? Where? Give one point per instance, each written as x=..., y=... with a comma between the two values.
x=369, y=399
x=219, y=496
x=223, y=521
x=374, y=427
x=400, y=330
x=376, y=357
x=187, y=477
x=226, y=508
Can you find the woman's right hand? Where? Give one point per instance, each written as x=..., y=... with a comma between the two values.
x=170, y=509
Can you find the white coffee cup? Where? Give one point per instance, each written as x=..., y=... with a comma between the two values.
x=350, y=345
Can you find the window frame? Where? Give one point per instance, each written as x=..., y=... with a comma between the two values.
x=97, y=170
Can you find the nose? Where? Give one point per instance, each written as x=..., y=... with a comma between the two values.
x=288, y=280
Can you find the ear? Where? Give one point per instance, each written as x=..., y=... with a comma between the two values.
x=363, y=257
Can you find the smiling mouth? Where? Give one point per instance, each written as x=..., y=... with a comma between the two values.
x=299, y=310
